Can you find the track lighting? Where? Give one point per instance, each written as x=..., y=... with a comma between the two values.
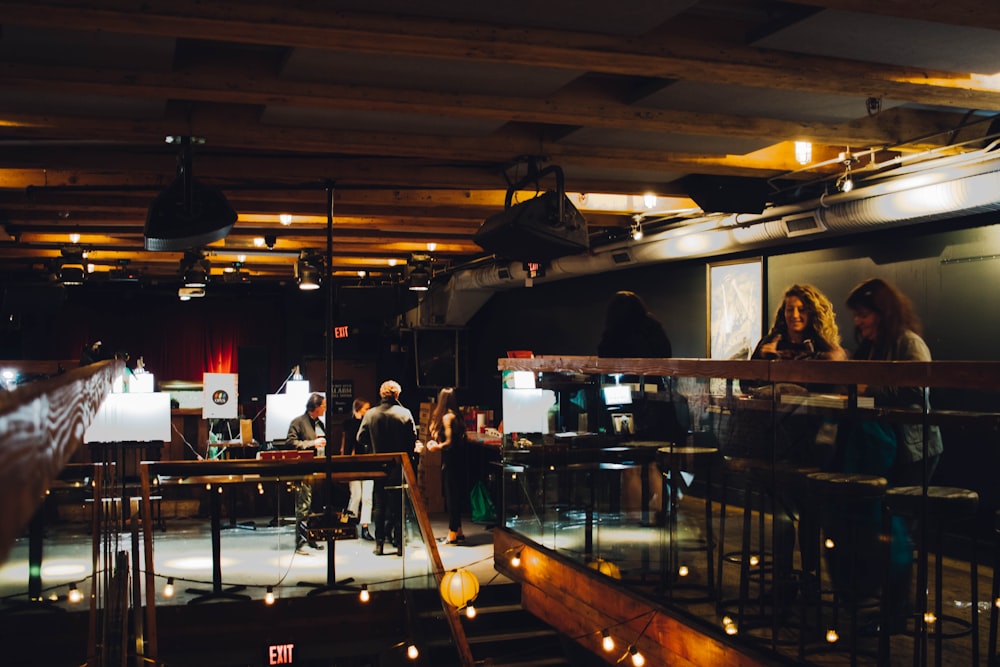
x=846, y=183
x=636, y=231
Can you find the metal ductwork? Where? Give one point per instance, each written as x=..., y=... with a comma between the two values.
x=938, y=189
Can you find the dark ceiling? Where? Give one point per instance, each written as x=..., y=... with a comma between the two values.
x=417, y=115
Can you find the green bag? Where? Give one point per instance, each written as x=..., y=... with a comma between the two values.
x=483, y=510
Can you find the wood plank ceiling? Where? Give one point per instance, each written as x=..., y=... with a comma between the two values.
x=419, y=114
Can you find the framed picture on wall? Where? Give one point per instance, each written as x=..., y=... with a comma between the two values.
x=735, y=308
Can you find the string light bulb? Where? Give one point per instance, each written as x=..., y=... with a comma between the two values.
x=168, y=588
x=470, y=612
x=412, y=652
x=607, y=641
x=269, y=596
x=515, y=560
x=364, y=595
x=638, y=659
x=74, y=595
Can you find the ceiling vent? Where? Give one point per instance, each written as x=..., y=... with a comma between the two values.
x=801, y=225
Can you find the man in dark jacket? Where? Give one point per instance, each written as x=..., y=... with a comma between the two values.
x=388, y=427
x=307, y=431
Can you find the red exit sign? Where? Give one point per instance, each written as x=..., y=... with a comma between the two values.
x=341, y=332
x=281, y=654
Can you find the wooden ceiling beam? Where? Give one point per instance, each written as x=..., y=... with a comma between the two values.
x=696, y=58
x=592, y=110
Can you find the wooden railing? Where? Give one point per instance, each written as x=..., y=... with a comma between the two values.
x=41, y=426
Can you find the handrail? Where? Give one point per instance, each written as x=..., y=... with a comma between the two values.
x=964, y=374
x=339, y=468
x=41, y=425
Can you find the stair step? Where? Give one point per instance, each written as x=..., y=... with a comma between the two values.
x=509, y=636
x=539, y=662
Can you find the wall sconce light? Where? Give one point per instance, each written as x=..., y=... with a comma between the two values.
x=307, y=271
x=803, y=152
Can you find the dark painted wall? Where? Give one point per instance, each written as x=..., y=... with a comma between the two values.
x=951, y=275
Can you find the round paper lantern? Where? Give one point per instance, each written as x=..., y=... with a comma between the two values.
x=459, y=587
x=605, y=567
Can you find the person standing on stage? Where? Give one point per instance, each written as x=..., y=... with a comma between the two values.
x=388, y=428
x=307, y=432
x=361, y=489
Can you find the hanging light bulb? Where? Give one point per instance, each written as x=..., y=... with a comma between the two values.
x=168, y=589
x=412, y=652
x=74, y=595
x=638, y=659
x=607, y=641
x=364, y=595
x=269, y=596
x=515, y=561
x=470, y=612
x=803, y=152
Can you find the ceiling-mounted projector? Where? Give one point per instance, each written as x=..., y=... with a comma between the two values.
x=187, y=214
x=539, y=229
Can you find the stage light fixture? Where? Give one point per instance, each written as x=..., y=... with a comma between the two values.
x=420, y=272
x=308, y=271
x=71, y=275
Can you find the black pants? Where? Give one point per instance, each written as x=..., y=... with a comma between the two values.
x=387, y=511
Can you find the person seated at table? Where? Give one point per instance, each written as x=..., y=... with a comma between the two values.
x=804, y=327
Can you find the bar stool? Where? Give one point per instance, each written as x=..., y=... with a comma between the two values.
x=767, y=481
x=670, y=459
x=848, y=504
x=941, y=505
x=752, y=562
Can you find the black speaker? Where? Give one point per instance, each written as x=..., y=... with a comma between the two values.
x=727, y=194
x=542, y=228
x=252, y=364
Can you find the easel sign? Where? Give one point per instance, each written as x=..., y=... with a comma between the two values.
x=219, y=398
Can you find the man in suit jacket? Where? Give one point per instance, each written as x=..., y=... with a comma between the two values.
x=307, y=431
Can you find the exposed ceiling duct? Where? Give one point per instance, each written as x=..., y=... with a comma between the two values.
x=899, y=195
